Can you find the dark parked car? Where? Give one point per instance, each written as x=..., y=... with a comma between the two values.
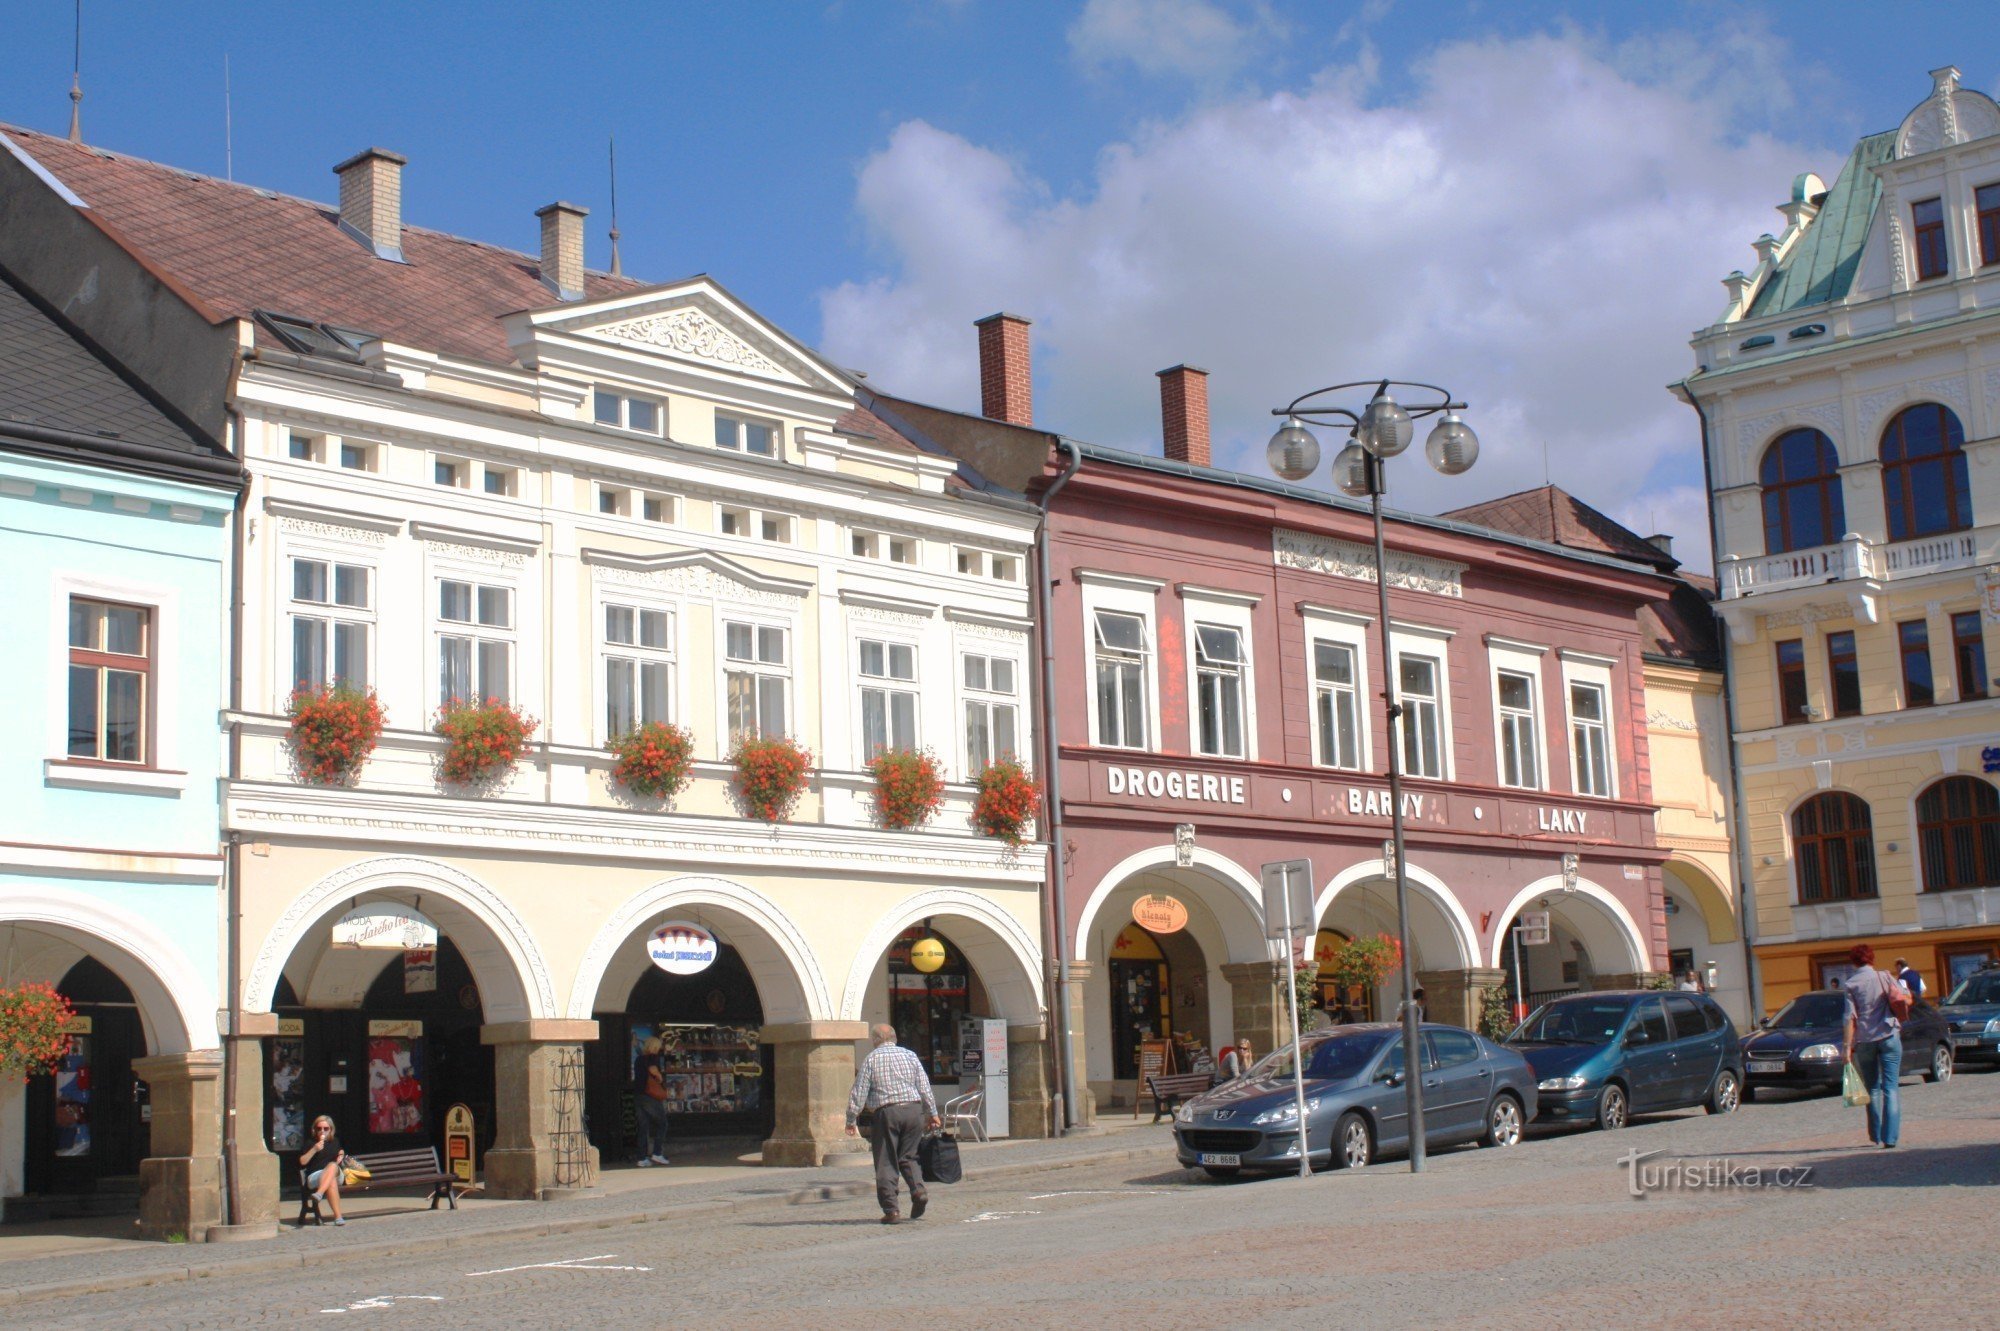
x=1800, y=1045
x=1603, y=1057
x=1474, y=1090
x=1973, y=1010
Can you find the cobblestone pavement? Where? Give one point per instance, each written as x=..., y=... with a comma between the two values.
x=1545, y=1234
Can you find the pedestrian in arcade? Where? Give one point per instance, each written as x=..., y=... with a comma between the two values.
x=1874, y=1041
x=321, y=1165
x=1236, y=1060
x=652, y=1103
x=1911, y=980
x=892, y=1082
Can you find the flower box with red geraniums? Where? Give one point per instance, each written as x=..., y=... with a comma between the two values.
x=334, y=729
x=771, y=774
x=1361, y=963
x=34, y=1030
x=654, y=761
x=1007, y=800
x=909, y=788
x=483, y=740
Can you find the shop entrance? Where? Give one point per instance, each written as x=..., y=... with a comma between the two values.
x=88, y=1123
x=1159, y=991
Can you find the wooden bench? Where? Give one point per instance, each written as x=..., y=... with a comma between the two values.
x=1169, y=1090
x=417, y=1168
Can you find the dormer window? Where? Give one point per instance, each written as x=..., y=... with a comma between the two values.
x=623, y=412
x=1927, y=222
x=746, y=436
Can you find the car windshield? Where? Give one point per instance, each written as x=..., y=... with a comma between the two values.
x=1333, y=1059
x=1813, y=1010
x=1981, y=988
x=1574, y=1021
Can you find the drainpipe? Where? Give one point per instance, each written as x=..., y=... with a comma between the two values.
x=1746, y=916
x=1052, y=787
x=232, y=1187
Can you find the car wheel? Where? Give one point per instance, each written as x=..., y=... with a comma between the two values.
x=1220, y=1171
x=1503, y=1122
x=1940, y=1069
x=1725, y=1094
x=1353, y=1143
x=1612, y=1110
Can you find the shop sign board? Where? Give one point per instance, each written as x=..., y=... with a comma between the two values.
x=397, y=1030
x=1159, y=914
x=682, y=947
x=420, y=970
x=384, y=924
x=291, y=1027
x=459, y=1159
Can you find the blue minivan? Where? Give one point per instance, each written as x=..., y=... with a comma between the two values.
x=1603, y=1057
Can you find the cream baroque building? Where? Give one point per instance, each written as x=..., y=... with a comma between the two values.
x=478, y=473
x=1850, y=399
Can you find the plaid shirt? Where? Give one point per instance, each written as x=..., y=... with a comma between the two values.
x=890, y=1075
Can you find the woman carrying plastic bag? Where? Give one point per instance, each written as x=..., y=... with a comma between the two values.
x=1874, y=1044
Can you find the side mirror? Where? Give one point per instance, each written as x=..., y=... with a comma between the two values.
x=1764, y=1023
x=1637, y=1035
x=1390, y=1077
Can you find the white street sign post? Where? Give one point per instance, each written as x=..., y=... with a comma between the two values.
x=1278, y=881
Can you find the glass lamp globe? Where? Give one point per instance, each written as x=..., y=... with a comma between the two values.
x=1350, y=472
x=1452, y=447
x=1386, y=429
x=1293, y=452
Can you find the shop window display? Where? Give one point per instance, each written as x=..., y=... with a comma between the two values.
x=926, y=1009
x=288, y=1093
x=72, y=1081
x=708, y=1069
x=395, y=1085
x=1141, y=997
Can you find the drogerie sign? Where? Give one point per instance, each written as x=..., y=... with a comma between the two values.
x=1154, y=783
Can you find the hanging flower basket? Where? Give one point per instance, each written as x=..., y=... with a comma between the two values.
x=770, y=776
x=484, y=740
x=33, y=1030
x=334, y=729
x=1362, y=962
x=1007, y=800
x=909, y=787
x=654, y=761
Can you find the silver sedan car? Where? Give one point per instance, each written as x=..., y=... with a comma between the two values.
x=1474, y=1090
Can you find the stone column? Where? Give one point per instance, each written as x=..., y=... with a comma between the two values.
x=180, y=1183
x=1256, y=1008
x=815, y=1072
x=1079, y=1044
x=259, y=1171
x=1028, y=1102
x=1455, y=997
x=540, y=1150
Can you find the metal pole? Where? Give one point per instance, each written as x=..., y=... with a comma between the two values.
x=1298, y=1053
x=1413, y=1061
x=1520, y=981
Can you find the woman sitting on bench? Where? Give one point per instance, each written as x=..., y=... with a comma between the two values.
x=321, y=1165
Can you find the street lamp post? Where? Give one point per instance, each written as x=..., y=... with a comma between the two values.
x=1379, y=431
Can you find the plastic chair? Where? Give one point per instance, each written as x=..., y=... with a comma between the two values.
x=964, y=1111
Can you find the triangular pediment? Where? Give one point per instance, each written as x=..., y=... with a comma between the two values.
x=697, y=322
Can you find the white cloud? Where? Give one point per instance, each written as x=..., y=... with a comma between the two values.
x=1534, y=225
x=1190, y=38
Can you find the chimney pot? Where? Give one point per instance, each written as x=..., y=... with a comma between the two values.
x=562, y=248
x=1006, y=380
x=1184, y=414
x=371, y=200
x=1662, y=542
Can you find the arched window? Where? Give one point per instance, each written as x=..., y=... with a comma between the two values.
x=1801, y=479
x=1923, y=473
x=1833, y=843
x=1958, y=826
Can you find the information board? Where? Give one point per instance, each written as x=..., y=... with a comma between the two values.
x=459, y=1159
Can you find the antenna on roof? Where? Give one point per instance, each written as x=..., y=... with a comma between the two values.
x=228, y=127
x=76, y=81
x=617, y=270
x=1545, y=462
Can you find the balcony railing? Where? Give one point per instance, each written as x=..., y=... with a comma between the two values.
x=1858, y=558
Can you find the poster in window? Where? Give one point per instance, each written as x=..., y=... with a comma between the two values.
x=395, y=1085
x=73, y=1100
x=288, y=1094
x=420, y=970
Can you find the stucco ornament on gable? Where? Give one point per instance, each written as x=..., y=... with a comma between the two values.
x=1950, y=115
x=696, y=334
x=1351, y=559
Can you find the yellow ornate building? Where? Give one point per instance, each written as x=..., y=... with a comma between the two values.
x=1850, y=402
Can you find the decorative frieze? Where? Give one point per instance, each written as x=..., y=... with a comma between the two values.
x=1352, y=559
x=693, y=333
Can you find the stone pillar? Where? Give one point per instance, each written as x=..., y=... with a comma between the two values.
x=1256, y=1008
x=815, y=1072
x=540, y=1149
x=180, y=1183
x=1456, y=997
x=1028, y=1102
x=258, y=1170
x=1079, y=1044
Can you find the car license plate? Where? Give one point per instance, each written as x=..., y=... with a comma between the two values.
x=1211, y=1158
x=1965, y=1039
x=1767, y=1065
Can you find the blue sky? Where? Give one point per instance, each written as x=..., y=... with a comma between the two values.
x=1531, y=202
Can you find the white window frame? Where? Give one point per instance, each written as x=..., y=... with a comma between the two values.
x=886, y=685
x=1345, y=629
x=754, y=519
x=369, y=452
x=1587, y=668
x=1435, y=644
x=625, y=401
x=1123, y=594
x=1228, y=610
x=509, y=478
x=461, y=471
x=776, y=428
x=440, y=628
x=971, y=696
x=635, y=599
x=725, y=615
x=165, y=707
x=328, y=611
x=315, y=445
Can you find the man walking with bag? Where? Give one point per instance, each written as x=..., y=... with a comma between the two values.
x=892, y=1082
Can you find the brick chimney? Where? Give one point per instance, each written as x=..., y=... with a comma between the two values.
x=371, y=200
x=1184, y=413
x=562, y=248
x=1006, y=383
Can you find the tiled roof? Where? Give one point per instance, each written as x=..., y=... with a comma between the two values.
x=49, y=378
x=1682, y=627
x=1551, y=514
x=1821, y=265
x=239, y=249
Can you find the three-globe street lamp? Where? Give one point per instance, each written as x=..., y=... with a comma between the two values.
x=1380, y=431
